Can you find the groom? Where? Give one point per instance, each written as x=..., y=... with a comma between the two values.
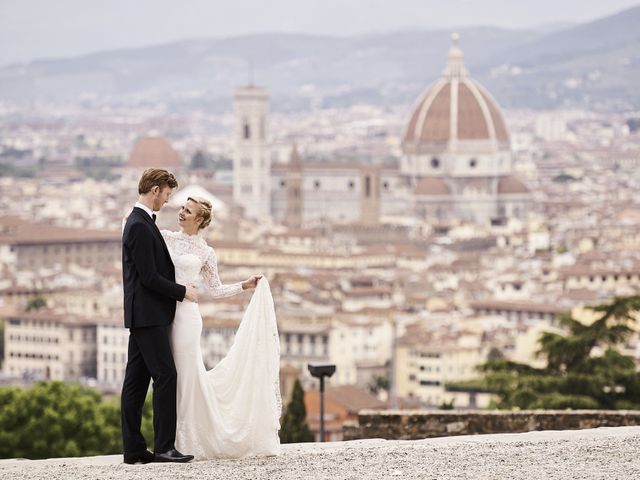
x=150, y=295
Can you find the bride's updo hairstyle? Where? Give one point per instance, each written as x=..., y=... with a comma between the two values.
x=205, y=210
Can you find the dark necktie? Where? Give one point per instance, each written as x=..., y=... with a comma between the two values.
x=153, y=215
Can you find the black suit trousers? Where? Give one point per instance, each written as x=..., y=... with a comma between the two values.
x=149, y=357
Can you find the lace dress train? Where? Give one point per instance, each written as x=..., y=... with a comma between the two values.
x=232, y=410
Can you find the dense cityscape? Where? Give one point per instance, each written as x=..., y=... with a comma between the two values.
x=406, y=245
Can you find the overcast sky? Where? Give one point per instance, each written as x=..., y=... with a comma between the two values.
x=31, y=29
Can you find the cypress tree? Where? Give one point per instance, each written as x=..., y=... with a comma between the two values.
x=294, y=424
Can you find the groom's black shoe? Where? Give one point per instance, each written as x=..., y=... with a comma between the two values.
x=173, y=455
x=143, y=456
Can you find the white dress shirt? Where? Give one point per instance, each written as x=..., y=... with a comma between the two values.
x=145, y=208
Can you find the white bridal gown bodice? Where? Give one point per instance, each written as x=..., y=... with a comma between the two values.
x=232, y=410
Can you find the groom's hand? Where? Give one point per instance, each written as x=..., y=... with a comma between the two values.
x=191, y=293
x=251, y=282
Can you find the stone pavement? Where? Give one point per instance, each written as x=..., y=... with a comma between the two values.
x=602, y=453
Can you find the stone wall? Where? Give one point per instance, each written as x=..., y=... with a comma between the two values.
x=413, y=425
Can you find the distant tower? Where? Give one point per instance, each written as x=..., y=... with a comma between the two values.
x=295, y=200
x=370, y=196
x=251, y=161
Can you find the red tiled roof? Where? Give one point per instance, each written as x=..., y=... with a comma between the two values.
x=431, y=186
x=153, y=152
x=351, y=397
x=34, y=234
x=454, y=107
x=510, y=185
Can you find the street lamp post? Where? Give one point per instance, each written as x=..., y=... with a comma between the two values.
x=321, y=371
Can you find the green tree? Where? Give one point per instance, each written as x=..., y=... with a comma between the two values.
x=446, y=405
x=294, y=424
x=36, y=303
x=377, y=383
x=55, y=419
x=495, y=354
x=575, y=377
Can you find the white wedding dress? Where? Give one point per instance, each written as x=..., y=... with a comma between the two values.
x=234, y=409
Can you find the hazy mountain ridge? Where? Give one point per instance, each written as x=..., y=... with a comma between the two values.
x=594, y=65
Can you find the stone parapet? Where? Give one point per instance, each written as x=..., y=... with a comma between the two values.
x=413, y=425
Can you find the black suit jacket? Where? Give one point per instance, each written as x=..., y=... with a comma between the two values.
x=148, y=274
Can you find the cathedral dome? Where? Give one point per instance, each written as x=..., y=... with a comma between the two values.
x=151, y=152
x=431, y=186
x=453, y=110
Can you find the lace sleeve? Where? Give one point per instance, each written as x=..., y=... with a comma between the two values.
x=211, y=278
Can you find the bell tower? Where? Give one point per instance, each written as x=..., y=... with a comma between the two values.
x=251, y=160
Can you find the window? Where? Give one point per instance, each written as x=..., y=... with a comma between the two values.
x=246, y=130
x=435, y=162
x=473, y=162
x=367, y=186
x=316, y=184
x=351, y=184
x=283, y=183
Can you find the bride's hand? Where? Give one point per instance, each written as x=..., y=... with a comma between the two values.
x=251, y=282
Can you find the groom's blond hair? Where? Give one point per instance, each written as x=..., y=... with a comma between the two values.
x=156, y=176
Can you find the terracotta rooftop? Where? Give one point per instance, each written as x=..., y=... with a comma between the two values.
x=511, y=185
x=454, y=108
x=34, y=234
x=432, y=186
x=153, y=152
x=351, y=397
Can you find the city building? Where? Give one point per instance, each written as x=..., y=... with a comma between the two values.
x=456, y=164
x=29, y=246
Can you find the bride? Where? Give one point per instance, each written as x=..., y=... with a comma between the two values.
x=232, y=410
